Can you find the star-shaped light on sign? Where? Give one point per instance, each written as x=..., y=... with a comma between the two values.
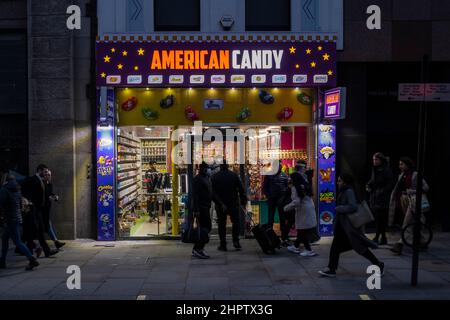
x=313, y=64
x=113, y=50
x=308, y=51
x=124, y=53
x=120, y=66
x=107, y=59
x=319, y=48
x=326, y=57
x=292, y=50
x=103, y=75
x=141, y=52
x=330, y=72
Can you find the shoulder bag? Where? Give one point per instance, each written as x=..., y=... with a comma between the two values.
x=362, y=216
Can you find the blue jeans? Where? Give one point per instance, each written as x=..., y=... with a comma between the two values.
x=12, y=231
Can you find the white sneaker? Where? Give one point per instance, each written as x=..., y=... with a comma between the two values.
x=308, y=253
x=293, y=249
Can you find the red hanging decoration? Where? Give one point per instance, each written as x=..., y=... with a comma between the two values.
x=191, y=114
x=285, y=114
x=130, y=104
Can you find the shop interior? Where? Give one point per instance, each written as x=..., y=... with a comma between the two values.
x=144, y=189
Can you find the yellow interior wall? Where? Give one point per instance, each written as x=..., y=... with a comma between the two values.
x=234, y=101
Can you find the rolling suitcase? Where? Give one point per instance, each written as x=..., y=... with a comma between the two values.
x=266, y=237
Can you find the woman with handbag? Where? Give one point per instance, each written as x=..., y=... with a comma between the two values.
x=404, y=192
x=346, y=236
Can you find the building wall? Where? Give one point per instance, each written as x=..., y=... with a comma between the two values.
x=59, y=110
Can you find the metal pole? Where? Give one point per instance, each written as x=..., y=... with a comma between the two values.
x=420, y=165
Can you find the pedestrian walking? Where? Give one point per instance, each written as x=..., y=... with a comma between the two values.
x=305, y=212
x=50, y=197
x=380, y=188
x=404, y=191
x=10, y=209
x=33, y=189
x=202, y=197
x=347, y=237
x=229, y=194
x=275, y=188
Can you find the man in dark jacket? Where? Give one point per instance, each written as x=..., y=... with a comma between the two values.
x=380, y=187
x=229, y=194
x=33, y=189
x=10, y=209
x=275, y=188
x=202, y=197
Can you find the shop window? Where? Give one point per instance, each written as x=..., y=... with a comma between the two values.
x=177, y=15
x=267, y=15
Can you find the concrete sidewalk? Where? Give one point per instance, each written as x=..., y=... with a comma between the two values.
x=166, y=270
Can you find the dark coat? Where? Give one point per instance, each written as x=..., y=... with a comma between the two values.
x=11, y=202
x=380, y=187
x=275, y=186
x=201, y=193
x=346, y=204
x=33, y=190
x=228, y=189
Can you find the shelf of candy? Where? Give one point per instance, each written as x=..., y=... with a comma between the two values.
x=255, y=181
x=128, y=199
x=126, y=158
x=284, y=154
x=127, y=142
x=158, y=167
x=153, y=143
x=127, y=135
x=160, y=159
x=127, y=166
x=126, y=150
x=127, y=191
x=126, y=183
x=127, y=175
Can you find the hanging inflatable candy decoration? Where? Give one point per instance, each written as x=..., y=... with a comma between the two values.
x=285, y=114
x=190, y=114
x=304, y=98
x=150, y=114
x=167, y=102
x=130, y=104
x=265, y=97
x=244, y=114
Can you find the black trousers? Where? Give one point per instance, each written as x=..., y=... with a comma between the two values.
x=341, y=244
x=276, y=203
x=381, y=220
x=302, y=237
x=233, y=212
x=205, y=222
x=34, y=227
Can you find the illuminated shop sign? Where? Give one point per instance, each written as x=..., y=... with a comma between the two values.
x=334, y=106
x=216, y=63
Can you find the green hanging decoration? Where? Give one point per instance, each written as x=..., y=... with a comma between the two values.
x=149, y=114
x=244, y=114
x=304, y=98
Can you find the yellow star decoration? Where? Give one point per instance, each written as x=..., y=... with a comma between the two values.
x=120, y=66
x=308, y=51
x=330, y=73
x=313, y=64
x=326, y=57
x=292, y=50
x=297, y=66
x=124, y=53
x=113, y=50
x=136, y=68
x=103, y=75
x=319, y=48
x=107, y=58
x=141, y=52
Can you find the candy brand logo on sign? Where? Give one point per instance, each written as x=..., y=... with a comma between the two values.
x=134, y=79
x=206, y=63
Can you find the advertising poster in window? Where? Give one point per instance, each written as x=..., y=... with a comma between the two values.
x=105, y=168
x=327, y=176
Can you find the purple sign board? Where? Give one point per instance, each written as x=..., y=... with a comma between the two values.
x=334, y=106
x=216, y=64
x=327, y=176
x=105, y=167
